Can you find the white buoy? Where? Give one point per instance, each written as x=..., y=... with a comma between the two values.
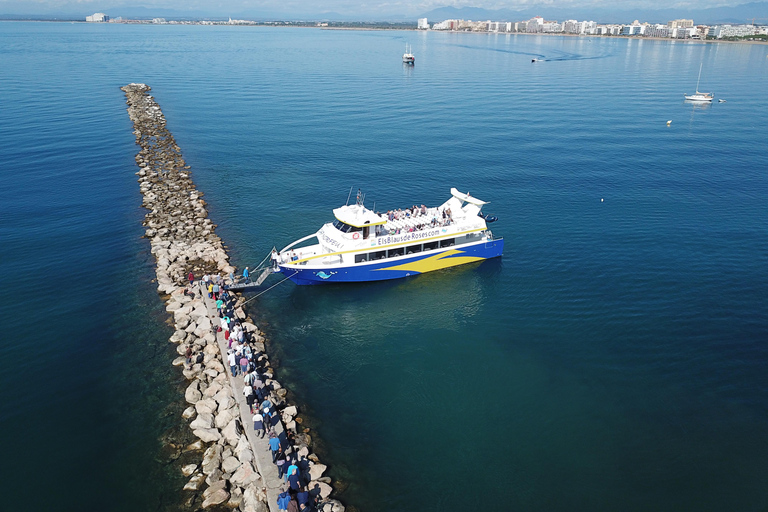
x=669, y=122
x=601, y=199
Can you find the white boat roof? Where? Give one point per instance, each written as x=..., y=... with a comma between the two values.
x=358, y=216
x=467, y=198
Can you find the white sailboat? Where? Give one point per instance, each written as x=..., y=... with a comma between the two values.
x=408, y=57
x=700, y=96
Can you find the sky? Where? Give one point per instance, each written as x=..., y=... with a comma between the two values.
x=314, y=8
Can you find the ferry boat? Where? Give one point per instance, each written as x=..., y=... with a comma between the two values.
x=362, y=245
x=408, y=57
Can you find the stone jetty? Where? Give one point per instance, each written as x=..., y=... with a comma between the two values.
x=235, y=469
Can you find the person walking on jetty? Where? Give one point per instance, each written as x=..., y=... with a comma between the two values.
x=191, y=278
x=281, y=464
x=302, y=498
x=243, y=364
x=274, y=445
x=290, y=471
x=283, y=499
x=215, y=290
x=249, y=396
x=246, y=276
x=293, y=505
x=232, y=362
x=293, y=478
x=258, y=425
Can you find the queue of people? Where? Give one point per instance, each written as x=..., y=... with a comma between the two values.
x=246, y=361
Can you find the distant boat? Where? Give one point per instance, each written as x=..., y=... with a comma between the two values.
x=408, y=57
x=700, y=96
x=535, y=60
x=721, y=100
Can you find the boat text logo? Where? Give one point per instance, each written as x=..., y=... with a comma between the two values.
x=416, y=235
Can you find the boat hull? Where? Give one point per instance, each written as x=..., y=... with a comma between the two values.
x=397, y=268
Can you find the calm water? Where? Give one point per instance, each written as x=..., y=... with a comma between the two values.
x=613, y=359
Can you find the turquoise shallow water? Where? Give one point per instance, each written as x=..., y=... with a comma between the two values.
x=613, y=358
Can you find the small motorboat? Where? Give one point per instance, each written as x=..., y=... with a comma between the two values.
x=721, y=101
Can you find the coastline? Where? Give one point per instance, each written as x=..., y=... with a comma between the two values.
x=237, y=467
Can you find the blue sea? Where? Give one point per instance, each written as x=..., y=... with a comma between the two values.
x=613, y=359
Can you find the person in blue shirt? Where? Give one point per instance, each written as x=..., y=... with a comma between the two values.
x=291, y=469
x=246, y=275
x=274, y=445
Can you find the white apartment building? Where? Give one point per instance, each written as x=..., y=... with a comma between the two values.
x=423, y=24
x=98, y=17
x=680, y=24
x=499, y=26
x=721, y=31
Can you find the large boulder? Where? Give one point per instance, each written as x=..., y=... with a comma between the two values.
x=203, y=420
x=216, y=498
x=223, y=418
x=332, y=506
x=207, y=435
x=321, y=488
x=193, y=394
x=245, y=475
x=230, y=464
x=230, y=432
x=189, y=469
x=212, y=459
x=194, y=482
x=206, y=405
x=253, y=499
x=316, y=471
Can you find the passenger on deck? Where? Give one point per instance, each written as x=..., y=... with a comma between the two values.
x=423, y=210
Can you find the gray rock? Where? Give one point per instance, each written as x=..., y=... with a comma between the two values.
x=203, y=420
x=189, y=412
x=235, y=498
x=206, y=405
x=189, y=469
x=230, y=464
x=216, y=498
x=192, y=394
x=245, y=475
x=194, y=482
x=179, y=361
x=230, y=433
x=316, y=471
x=324, y=489
x=215, y=486
x=207, y=435
x=211, y=459
x=223, y=418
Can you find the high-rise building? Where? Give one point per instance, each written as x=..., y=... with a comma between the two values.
x=423, y=24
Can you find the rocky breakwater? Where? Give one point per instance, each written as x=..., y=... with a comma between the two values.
x=235, y=471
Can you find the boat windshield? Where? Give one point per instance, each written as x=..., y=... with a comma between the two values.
x=345, y=228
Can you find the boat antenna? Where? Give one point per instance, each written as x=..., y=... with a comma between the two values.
x=350, y=195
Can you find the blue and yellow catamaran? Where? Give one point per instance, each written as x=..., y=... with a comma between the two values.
x=362, y=245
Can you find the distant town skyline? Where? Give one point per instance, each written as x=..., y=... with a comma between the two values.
x=379, y=9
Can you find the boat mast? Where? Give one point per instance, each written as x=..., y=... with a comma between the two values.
x=697, y=80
